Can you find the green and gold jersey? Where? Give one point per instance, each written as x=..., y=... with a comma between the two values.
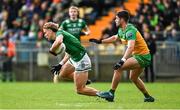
x=73, y=45
x=73, y=27
x=131, y=33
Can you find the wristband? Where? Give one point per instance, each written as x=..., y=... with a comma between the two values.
x=52, y=53
x=123, y=59
x=61, y=63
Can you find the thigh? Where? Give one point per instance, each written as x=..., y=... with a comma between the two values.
x=131, y=63
x=67, y=69
x=80, y=79
x=136, y=72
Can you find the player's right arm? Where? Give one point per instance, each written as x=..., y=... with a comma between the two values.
x=107, y=40
x=86, y=30
x=56, y=44
x=110, y=39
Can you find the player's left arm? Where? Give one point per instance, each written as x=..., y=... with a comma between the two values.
x=65, y=59
x=131, y=37
x=86, y=30
x=56, y=43
x=129, y=50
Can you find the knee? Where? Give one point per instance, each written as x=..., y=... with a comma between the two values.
x=79, y=90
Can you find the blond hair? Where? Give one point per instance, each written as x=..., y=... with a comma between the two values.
x=50, y=25
x=74, y=7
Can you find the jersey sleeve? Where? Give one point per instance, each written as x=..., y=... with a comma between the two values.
x=83, y=24
x=131, y=35
x=119, y=37
x=119, y=34
x=62, y=25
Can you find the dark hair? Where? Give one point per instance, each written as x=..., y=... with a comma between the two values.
x=53, y=29
x=124, y=14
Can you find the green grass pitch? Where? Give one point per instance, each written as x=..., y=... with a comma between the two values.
x=62, y=96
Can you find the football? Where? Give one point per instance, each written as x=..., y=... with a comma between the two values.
x=61, y=49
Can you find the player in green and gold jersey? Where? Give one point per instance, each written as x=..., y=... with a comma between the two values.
x=136, y=46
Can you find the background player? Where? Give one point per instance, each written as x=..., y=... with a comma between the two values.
x=74, y=25
x=76, y=54
x=137, y=47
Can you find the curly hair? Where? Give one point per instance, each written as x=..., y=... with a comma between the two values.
x=50, y=25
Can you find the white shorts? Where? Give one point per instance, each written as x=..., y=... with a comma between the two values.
x=83, y=65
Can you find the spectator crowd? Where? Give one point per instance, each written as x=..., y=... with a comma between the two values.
x=22, y=20
x=160, y=18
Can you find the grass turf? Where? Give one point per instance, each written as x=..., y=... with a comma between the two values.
x=62, y=96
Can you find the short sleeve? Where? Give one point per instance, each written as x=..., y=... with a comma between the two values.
x=119, y=34
x=83, y=24
x=62, y=25
x=131, y=35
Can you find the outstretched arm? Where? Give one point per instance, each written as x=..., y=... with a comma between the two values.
x=107, y=40
x=86, y=30
x=110, y=39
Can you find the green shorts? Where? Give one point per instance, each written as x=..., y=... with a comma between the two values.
x=143, y=60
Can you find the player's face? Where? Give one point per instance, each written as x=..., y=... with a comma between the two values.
x=47, y=33
x=73, y=13
x=117, y=21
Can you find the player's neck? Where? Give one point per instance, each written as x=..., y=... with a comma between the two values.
x=73, y=19
x=124, y=25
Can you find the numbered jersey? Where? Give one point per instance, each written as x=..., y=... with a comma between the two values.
x=73, y=45
x=131, y=33
x=73, y=27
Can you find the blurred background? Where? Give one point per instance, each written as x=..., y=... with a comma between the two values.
x=24, y=52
